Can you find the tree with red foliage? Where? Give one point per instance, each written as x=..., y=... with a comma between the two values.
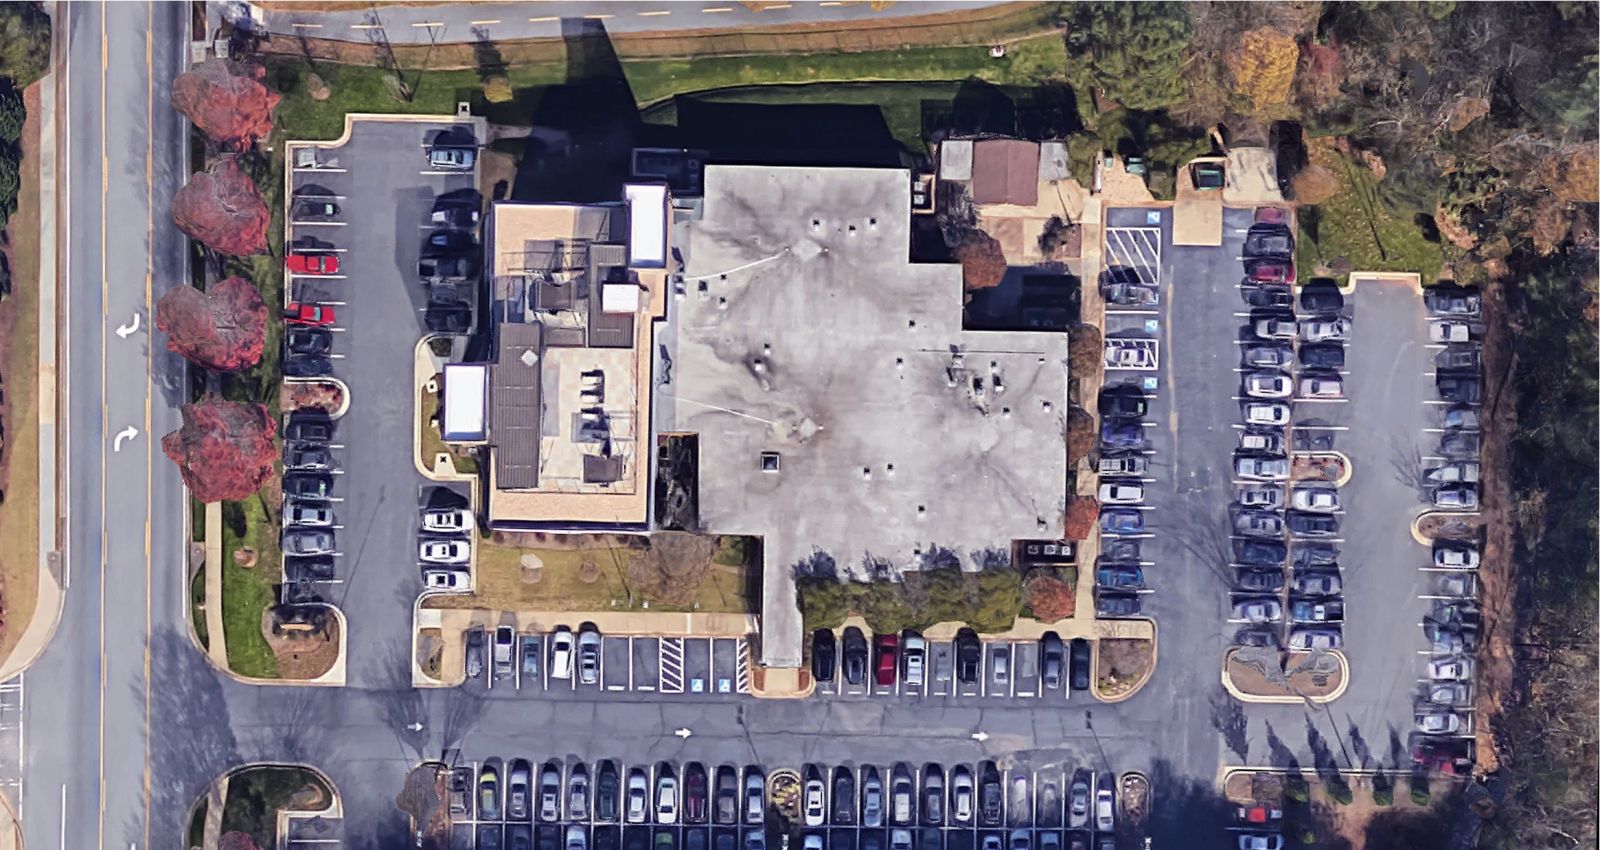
x=1080, y=434
x=1081, y=514
x=237, y=841
x=227, y=101
x=222, y=209
x=222, y=328
x=982, y=262
x=1049, y=598
x=224, y=449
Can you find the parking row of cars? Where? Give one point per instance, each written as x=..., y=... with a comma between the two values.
x=307, y=538
x=1123, y=466
x=865, y=807
x=1288, y=356
x=1443, y=708
x=911, y=659
x=520, y=654
x=451, y=261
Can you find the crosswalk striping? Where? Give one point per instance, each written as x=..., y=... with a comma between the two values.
x=742, y=667
x=1137, y=249
x=672, y=665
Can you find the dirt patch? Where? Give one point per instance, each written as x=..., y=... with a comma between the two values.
x=303, y=654
x=299, y=395
x=1122, y=664
x=423, y=799
x=430, y=651
x=1317, y=468
x=1274, y=674
x=674, y=567
x=1448, y=526
x=245, y=557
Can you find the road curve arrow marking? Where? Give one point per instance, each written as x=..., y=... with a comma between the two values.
x=980, y=737
x=684, y=733
x=132, y=327
x=127, y=433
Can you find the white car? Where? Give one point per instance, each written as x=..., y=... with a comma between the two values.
x=1261, y=468
x=446, y=520
x=561, y=653
x=1270, y=328
x=1462, y=497
x=1322, y=386
x=444, y=551
x=1449, y=332
x=816, y=808
x=1123, y=357
x=1268, y=385
x=1322, y=500
x=1266, y=413
x=1456, y=668
x=914, y=658
x=1455, y=557
x=446, y=579
x=1439, y=723
x=1121, y=493
x=1261, y=841
x=1105, y=816
x=1325, y=330
x=667, y=800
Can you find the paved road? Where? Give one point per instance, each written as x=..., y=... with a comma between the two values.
x=85, y=748
x=461, y=22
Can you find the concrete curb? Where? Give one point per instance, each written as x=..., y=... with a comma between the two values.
x=335, y=803
x=1287, y=699
x=344, y=390
x=420, y=375
x=1155, y=656
x=1416, y=523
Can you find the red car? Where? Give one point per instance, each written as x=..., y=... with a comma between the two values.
x=1270, y=271
x=313, y=263
x=888, y=648
x=312, y=315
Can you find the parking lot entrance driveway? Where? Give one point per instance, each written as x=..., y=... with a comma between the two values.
x=385, y=188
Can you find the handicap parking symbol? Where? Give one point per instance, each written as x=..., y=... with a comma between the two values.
x=1152, y=216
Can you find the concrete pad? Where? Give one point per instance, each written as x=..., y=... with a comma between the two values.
x=1252, y=178
x=1196, y=213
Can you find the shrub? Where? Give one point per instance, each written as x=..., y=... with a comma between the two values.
x=1419, y=791
x=1383, y=795
x=497, y=89
x=824, y=602
x=999, y=600
x=1082, y=511
x=983, y=264
x=1049, y=598
x=12, y=112
x=1296, y=788
x=1080, y=434
x=1314, y=184
x=1340, y=791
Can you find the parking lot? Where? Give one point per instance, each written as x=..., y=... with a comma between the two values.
x=359, y=220
x=517, y=802
x=626, y=664
x=1021, y=680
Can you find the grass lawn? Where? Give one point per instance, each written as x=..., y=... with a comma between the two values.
x=257, y=794
x=1361, y=226
x=197, y=598
x=360, y=88
x=19, y=369
x=566, y=585
x=246, y=592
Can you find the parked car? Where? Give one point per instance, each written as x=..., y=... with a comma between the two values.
x=1316, y=611
x=1452, y=301
x=1308, y=555
x=1458, y=389
x=666, y=796
x=308, y=485
x=637, y=808
x=1261, y=496
x=588, y=654
x=1267, y=297
x=1121, y=492
x=1450, y=555
x=450, y=214
x=1266, y=413
x=452, y=158
x=1258, y=611
x=1123, y=464
x=518, y=789
x=1261, y=440
x=302, y=340
x=696, y=793
x=1464, y=418
x=1052, y=663
x=433, y=551
x=1269, y=240
x=489, y=790
x=843, y=810
x=1130, y=295
x=887, y=658
x=1315, y=499
x=1120, y=577
x=1459, y=444
x=1315, y=637
x=1313, y=525
x=963, y=794
x=1261, y=553
x=1116, y=605
x=460, y=267
x=308, y=427
x=1461, y=472
x=1121, y=434
x=1268, y=355
x=1325, y=330
x=1123, y=401
x=1270, y=271
x=824, y=654
x=1121, y=521
x=447, y=580
x=306, y=366
x=446, y=520
x=454, y=317
x=1253, y=468
x=969, y=656
x=1438, y=722
x=1078, y=800
x=1317, y=584
x=312, y=263
x=1459, y=356
x=315, y=210
x=1258, y=638
x=1275, y=328
x=1261, y=841
x=1322, y=356
x=307, y=456
x=932, y=795
x=1259, y=581
x=1321, y=385
x=1268, y=385
x=913, y=659
x=306, y=541
x=1450, y=693
x=1321, y=297
x=1460, y=497
x=1128, y=357
x=1258, y=524
x=308, y=568
x=307, y=513
x=1079, y=657
x=755, y=799
x=1105, y=817
x=311, y=315
x=855, y=656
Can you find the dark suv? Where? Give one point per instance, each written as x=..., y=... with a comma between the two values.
x=969, y=656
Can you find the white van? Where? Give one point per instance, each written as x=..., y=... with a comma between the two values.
x=561, y=653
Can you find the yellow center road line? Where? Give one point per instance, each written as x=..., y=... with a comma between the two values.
x=655, y=14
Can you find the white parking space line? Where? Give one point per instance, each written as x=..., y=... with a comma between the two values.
x=319, y=223
x=298, y=276
x=1118, y=311
x=742, y=667
x=446, y=173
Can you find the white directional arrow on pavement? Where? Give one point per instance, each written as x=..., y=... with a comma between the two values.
x=980, y=737
x=127, y=433
x=683, y=733
x=132, y=327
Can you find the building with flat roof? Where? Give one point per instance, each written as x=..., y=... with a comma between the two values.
x=843, y=414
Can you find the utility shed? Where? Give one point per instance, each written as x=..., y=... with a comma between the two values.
x=1005, y=171
x=844, y=415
